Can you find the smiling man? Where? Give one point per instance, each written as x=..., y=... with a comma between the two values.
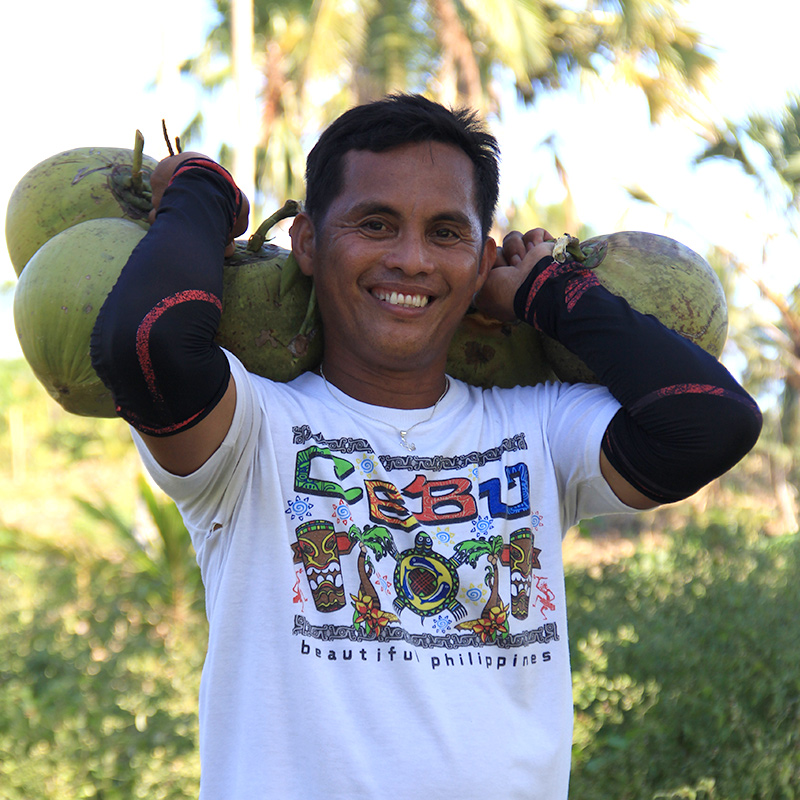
x=398, y=256
x=380, y=543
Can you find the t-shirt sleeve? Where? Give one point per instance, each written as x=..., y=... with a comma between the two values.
x=208, y=496
x=575, y=430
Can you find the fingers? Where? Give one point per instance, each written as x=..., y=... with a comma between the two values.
x=513, y=249
x=537, y=236
x=517, y=245
x=161, y=176
x=500, y=259
x=240, y=226
x=513, y=261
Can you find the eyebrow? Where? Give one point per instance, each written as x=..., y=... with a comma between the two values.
x=377, y=207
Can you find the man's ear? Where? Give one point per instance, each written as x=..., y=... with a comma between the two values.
x=488, y=257
x=302, y=235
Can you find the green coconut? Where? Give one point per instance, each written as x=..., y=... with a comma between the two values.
x=269, y=318
x=656, y=275
x=56, y=302
x=64, y=285
x=72, y=187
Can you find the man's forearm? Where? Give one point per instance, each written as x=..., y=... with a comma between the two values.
x=153, y=343
x=684, y=419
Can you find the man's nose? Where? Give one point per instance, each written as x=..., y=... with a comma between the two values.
x=410, y=253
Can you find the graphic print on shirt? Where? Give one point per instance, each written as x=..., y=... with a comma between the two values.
x=429, y=536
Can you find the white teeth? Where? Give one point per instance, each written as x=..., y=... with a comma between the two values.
x=398, y=299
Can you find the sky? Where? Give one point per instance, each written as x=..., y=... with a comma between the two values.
x=82, y=74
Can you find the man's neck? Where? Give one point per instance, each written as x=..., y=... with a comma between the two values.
x=385, y=387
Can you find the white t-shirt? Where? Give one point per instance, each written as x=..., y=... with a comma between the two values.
x=386, y=623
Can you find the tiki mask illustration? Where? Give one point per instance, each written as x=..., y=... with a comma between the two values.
x=521, y=563
x=318, y=549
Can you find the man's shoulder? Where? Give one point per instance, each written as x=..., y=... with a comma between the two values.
x=548, y=390
x=299, y=385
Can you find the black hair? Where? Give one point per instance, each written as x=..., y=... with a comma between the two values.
x=393, y=121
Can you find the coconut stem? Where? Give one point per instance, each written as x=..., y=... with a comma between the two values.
x=574, y=249
x=136, y=166
x=308, y=322
x=289, y=209
x=166, y=137
x=290, y=274
x=567, y=245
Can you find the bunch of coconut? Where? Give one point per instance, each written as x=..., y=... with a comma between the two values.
x=74, y=219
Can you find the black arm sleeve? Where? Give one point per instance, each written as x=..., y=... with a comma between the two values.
x=153, y=342
x=684, y=419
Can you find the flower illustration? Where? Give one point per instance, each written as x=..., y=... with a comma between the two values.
x=491, y=624
x=366, y=464
x=444, y=535
x=441, y=623
x=368, y=614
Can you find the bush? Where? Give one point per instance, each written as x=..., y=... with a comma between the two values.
x=686, y=673
x=98, y=684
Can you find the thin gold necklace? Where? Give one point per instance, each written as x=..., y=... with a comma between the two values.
x=410, y=446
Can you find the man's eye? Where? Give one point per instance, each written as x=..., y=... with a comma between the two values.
x=375, y=225
x=446, y=233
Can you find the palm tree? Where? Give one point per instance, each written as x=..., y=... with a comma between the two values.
x=777, y=139
x=318, y=57
x=771, y=352
x=776, y=136
x=377, y=539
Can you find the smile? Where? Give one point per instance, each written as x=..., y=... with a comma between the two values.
x=398, y=299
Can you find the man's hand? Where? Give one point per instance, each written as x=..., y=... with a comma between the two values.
x=160, y=179
x=515, y=259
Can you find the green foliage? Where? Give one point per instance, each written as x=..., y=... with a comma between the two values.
x=475, y=549
x=777, y=141
x=320, y=58
x=98, y=685
x=168, y=558
x=376, y=537
x=102, y=633
x=685, y=670
x=37, y=435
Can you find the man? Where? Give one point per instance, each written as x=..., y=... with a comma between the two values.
x=380, y=544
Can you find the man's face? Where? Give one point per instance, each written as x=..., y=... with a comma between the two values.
x=397, y=258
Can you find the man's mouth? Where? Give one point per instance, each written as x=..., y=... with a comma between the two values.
x=399, y=299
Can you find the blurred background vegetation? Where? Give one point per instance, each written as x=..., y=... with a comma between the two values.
x=683, y=627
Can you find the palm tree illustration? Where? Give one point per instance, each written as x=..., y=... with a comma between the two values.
x=493, y=621
x=368, y=615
